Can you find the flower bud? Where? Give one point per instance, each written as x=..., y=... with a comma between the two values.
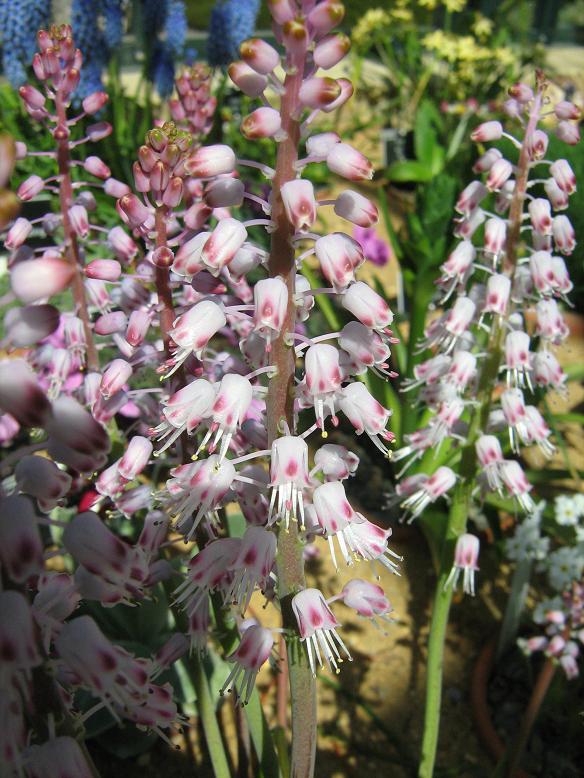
x=319, y=145
x=116, y=374
x=330, y=50
x=110, y=323
x=497, y=294
x=99, y=131
x=196, y=216
x=299, y=203
x=367, y=306
x=355, y=208
x=223, y=243
x=262, y=123
x=115, y=188
x=259, y=55
x=95, y=102
x=136, y=457
x=521, y=92
x=563, y=176
x=122, y=244
x=271, y=302
x=316, y=92
x=42, y=479
x=339, y=257
x=97, y=167
x=566, y=110
x=72, y=426
x=501, y=171
x=138, y=325
x=173, y=193
x=249, y=81
x=104, y=269
x=346, y=93
x=325, y=16
x=211, y=161
x=18, y=233
x=487, y=131
x=18, y=644
x=32, y=97
x=282, y=10
x=79, y=220
x=564, y=235
x=487, y=160
x=537, y=144
x=30, y=188
x=134, y=212
x=569, y=133
x=495, y=235
x=36, y=279
x=349, y=163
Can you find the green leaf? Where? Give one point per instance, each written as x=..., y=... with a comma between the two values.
x=409, y=170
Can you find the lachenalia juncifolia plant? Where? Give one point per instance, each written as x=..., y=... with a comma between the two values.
x=185, y=290
x=492, y=346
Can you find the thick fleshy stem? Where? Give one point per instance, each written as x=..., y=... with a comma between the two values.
x=280, y=408
x=458, y=515
x=71, y=242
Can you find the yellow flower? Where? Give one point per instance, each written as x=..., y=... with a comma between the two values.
x=370, y=22
x=454, y=6
x=482, y=26
x=401, y=15
x=429, y=5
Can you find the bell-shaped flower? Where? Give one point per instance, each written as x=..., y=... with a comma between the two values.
x=288, y=477
x=253, y=565
x=209, y=570
x=323, y=379
x=252, y=652
x=184, y=411
x=228, y=412
x=187, y=260
x=367, y=599
x=222, y=245
x=299, y=203
x=437, y=485
x=466, y=555
x=367, y=306
x=366, y=414
x=115, y=376
x=56, y=599
x=349, y=163
x=564, y=235
x=335, y=462
x=490, y=457
x=271, y=303
x=317, y=626
x=339, y=257
x=563, y=176
x=135, y=458
x=365, y=346
x=470, y=198
x=196, y=490
x=517, y=484
x=547, y=371
x=42, y=479
x=501, y=171
x=335, y=516
x=550, y=324
x=356, y=208
x=193, y=330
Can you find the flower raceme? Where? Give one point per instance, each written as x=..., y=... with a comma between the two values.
x=174, y=290
x=494, y=282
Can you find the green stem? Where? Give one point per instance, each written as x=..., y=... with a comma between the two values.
x=206, y=710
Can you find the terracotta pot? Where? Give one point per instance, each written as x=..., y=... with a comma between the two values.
x=480, y=706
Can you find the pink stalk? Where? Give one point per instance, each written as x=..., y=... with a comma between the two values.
x=280, y=409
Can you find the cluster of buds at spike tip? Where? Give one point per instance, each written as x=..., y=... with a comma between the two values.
x=194, y=106
x=491, y=283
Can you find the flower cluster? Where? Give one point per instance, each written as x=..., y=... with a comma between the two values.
x=172, y=293
x=232, y=22
x=486, y=358
x=563, y=622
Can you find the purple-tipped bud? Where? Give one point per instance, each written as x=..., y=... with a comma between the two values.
x=138, y=326
x=32, y=97
x=96, y=167
x=569, y=133
x=136, y=457
x=339, y=257
x=325, y=16
x=223, y=243
x=99, y=131
x=115, y=188
x=123, y=245
x=563, y=175
x=134, y=212
x=79, y=220
x=72, y=426
x=18, y=645
x=349, y=163
x=521, y=92
x=104, y=269
x=501, y=171
x=115, y=376
x=356, y=208
x=43, y=480
x=95, y=102
x=30, y=188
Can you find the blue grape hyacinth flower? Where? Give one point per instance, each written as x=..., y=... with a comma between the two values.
x=232, y=21
x=20, y=21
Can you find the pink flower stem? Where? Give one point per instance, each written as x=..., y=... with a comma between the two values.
x=280, y=402
x=71, y=243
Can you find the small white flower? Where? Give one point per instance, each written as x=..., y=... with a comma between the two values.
x=564, y=566
x=566, y=510
x=527, y=542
